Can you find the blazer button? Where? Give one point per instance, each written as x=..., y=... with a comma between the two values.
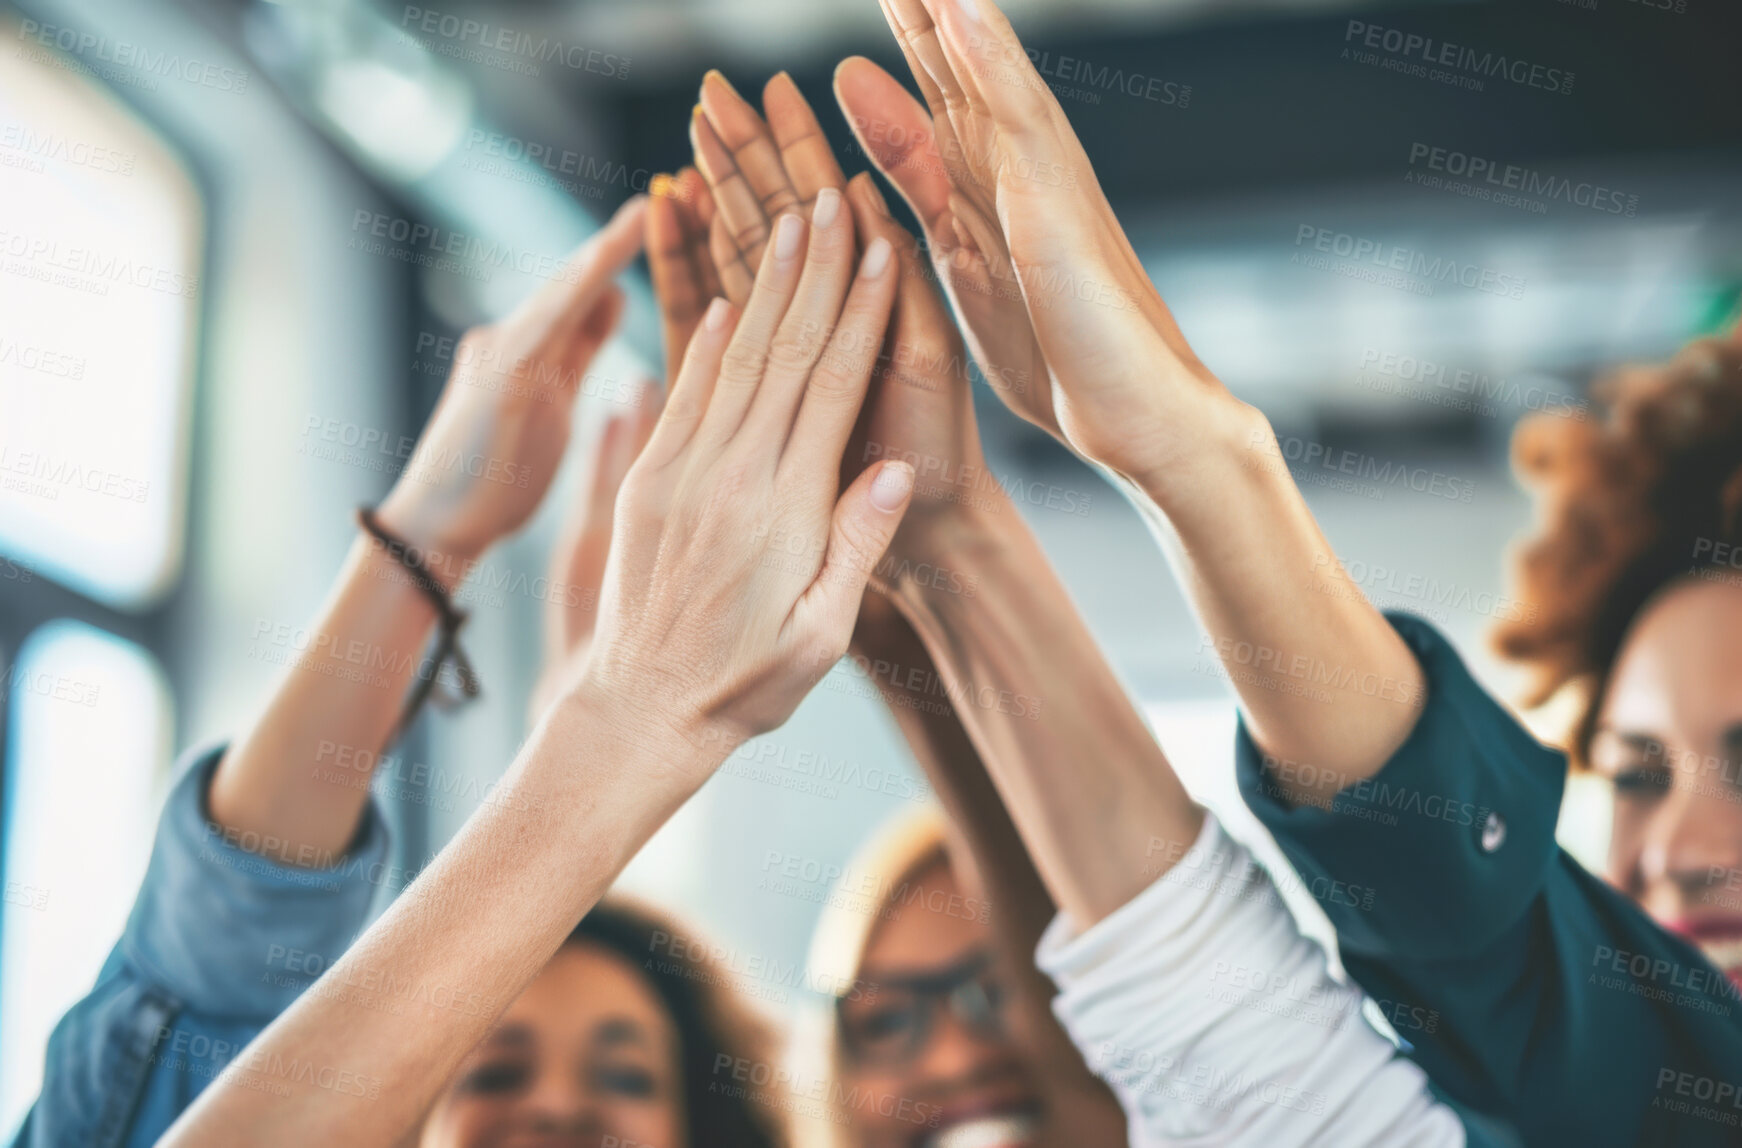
x=1493, y=833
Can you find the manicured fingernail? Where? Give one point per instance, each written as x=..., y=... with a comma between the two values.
x=876, y=258
x=891, y=486
x=716, y=316
x=719, y=77
x=828, y=206
x=969, y=10
x=786, y=236
x=662, y=186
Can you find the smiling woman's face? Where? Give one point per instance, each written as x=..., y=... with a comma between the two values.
x=930, y=1074
x=1669, y=740
x=587, y=1056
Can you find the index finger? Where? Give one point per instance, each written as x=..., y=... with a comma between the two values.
x=588, y=272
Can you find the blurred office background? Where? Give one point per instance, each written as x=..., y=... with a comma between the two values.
x=236, y=234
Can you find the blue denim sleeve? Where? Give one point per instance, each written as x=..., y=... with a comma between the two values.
x=220, y=941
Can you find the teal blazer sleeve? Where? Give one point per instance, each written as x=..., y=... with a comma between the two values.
x=1530, y=990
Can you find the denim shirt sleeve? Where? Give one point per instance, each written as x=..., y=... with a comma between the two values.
x=220, y=941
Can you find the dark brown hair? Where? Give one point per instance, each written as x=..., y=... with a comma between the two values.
x=1632, y=497
x=710, y=1019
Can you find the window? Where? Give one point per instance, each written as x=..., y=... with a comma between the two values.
x=100, y=282
x=88, y=738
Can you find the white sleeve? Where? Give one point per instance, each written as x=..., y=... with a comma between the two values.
x=1217, y=1022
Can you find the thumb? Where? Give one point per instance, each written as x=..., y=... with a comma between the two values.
x=864, y=522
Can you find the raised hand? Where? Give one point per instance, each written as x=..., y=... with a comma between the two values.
x=678, y=216
x=735, y=572
x=1128, y=391
x=923, y=160
x=920, y=406
x=577, y=561
x=502, y=423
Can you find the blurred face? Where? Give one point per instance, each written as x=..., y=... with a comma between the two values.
x=1669, y=739
x=928, y=1059
x=586, y=1058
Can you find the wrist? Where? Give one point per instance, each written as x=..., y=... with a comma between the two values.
x=671, y=742
x=1231, y=447
x=938, y=550
x=446, y=561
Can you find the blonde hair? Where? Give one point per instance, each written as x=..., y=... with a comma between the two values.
x=903, y=847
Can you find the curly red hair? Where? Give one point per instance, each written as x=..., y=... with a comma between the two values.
x=1628, y=502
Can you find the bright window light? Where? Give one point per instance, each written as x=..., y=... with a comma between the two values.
x=88, y=742
x=100, y=288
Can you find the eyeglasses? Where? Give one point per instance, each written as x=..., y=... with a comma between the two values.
x=893, y=1024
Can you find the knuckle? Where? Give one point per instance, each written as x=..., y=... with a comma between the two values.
x=744, y=360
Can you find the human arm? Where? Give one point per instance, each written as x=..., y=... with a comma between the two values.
x=476, y=475
x=1020, y=229
x=700, y=646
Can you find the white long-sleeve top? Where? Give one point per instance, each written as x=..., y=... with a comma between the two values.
x=1217, y=1023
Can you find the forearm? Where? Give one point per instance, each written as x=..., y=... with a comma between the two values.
x=1082, y=777
x=1322, y=677
x=456, y=949
x=984, y=838
x=300, y=776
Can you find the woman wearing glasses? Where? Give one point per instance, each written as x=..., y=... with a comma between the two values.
x=1170, y=967
x=1566, y=1011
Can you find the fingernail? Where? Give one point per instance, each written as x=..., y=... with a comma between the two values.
x=969, y=10
x=786, y=236
x=891, y=486
x=716, y=316
x=719, y=77
x=876, y=258
x=662, y=185
x=828, y=206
